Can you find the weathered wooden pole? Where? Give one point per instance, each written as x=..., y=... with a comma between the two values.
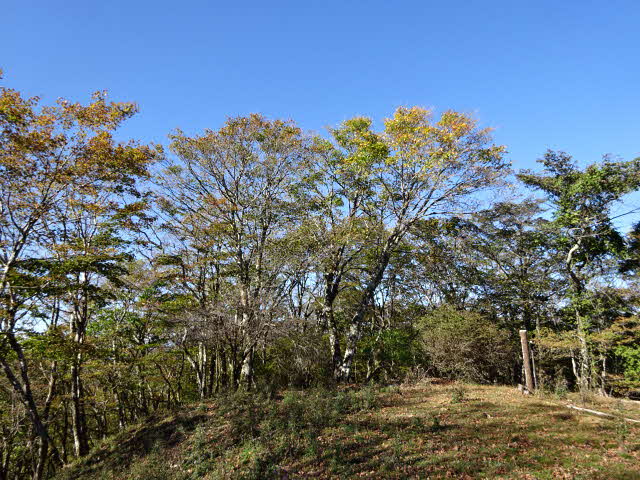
x=528, y=374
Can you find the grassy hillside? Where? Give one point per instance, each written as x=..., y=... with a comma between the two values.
x=444, y=430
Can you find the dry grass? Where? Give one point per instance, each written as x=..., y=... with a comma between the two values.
x=444, y=430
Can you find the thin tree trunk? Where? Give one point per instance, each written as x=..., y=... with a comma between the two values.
x=603, y=377
x=526, y=360
x=585, y=356
x=246, y=369
x=78, y=328
x=585, y=380
x=330, y=324
x=78, y=422
x=246, y=374
x=23, y=388
x=574, y=367
x=366, y=300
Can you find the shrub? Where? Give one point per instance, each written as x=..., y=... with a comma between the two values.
x=296, y=360
x=201, y=457
x=390, y=354
x=465, y=345
x=458, y=394
x=265, y=433
x=416, y=375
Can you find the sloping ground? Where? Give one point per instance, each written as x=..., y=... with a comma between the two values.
x=424, y=431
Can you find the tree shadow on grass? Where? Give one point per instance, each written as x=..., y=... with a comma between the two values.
x=479, y=439
x=119, y=452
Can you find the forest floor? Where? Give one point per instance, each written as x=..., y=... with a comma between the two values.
x=429, y=430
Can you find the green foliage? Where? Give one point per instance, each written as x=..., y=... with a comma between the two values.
x=201, y=455
x=296, y=360
x=417, y=434
x=583, y=200
x=282, y=260
x=263, y=432
x=622, y=339
x=458, y=393
x=630, y=356
x=465, y=345
x=395, y=350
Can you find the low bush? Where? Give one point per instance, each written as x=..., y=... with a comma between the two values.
x=465, y=345
x=261, y=433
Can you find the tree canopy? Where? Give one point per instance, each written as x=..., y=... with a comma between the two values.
x=258, y=256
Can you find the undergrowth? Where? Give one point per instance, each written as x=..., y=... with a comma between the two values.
x=446, y=430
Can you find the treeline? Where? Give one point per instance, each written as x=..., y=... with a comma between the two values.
x=262, y=257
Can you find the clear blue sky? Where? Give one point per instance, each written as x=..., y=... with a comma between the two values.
x=545, y=74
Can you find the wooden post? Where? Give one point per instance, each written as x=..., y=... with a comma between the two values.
x=524, y=340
